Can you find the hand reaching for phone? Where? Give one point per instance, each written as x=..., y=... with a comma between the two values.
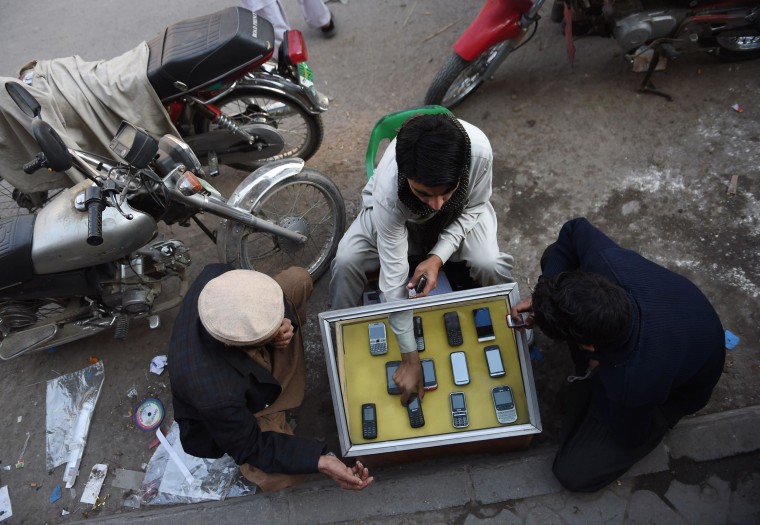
x=524, y=306
x=429, y=268
x=408, y=377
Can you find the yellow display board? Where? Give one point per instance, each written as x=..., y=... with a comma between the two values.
x=363, y=376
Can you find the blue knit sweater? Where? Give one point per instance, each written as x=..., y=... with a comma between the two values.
x=672, y=356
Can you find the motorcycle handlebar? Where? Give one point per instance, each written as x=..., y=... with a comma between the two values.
x=33, y=165
x=95, y=206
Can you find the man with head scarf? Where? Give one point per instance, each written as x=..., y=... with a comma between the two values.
x=236, y=363
x=429, y=197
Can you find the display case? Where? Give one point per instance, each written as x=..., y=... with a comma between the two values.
x=359, y=375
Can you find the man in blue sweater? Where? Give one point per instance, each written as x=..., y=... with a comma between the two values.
x=647, y=344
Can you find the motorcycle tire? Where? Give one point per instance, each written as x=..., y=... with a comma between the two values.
x=307, y=202
x=302, y=131
x=14, y=203
x=739, y=44
x=459, y=78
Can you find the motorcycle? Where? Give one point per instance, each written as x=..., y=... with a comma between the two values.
x=729, y=29
x=89, y=260
x=214, y=77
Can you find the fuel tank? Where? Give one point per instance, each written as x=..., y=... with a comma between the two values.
x=60, y=244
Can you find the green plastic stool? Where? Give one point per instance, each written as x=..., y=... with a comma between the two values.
x=387, y=128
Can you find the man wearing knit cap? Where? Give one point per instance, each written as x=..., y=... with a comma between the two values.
x=429, y=198
x=236, y=365
x=647, y=344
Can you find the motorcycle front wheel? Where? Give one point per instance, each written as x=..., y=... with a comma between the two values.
x=739, y=44
x=306, y=202
x=459, y=78
x=301, y=131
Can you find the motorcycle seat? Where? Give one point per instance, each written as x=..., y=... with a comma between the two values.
x=195, y=53
x=16, y=249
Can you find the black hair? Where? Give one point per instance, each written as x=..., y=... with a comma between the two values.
x=432, y=150
x=582, y=307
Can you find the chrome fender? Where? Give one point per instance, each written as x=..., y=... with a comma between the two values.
x=307, y=97
x=247, y=196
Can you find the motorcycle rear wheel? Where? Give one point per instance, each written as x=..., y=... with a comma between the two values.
x=739, y=44
x=307, y=202
x=459, y=78
x=302, y=132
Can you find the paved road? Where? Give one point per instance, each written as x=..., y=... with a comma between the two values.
x=567, y=142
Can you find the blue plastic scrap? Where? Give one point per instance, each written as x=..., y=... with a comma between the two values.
x=731, y=340
x=56, y=494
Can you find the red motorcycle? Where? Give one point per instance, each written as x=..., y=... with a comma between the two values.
x=729, y=29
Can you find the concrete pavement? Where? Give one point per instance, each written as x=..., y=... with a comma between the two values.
x=706, y=471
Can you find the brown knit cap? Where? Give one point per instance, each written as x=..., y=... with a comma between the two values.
x=241, y=307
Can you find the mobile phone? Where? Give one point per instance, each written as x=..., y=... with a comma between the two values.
x=390, y=369
x=459, y=368
x=378, y=343
x=420, y=284
x=419, y=336
x=453, y=328
x=428, y=374
x=414, y=409
x=369, y=421
x=495, y=364
x=516, y=323
x=504, y=404
x=459, y=416
x=483, y=324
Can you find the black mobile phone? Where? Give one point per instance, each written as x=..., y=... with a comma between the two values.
x=369, y=421
x=420, y=284
x=504, y=404
x=459, y=416
x=493, y=359
x=428, y=374
x=414, y=409
x=419, y=336
x=390, y=369
x=453, y=328
x=483, y=324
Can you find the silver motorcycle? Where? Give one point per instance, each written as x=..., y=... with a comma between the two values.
x=89, y=260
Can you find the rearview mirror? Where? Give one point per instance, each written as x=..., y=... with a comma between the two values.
x=23, y=99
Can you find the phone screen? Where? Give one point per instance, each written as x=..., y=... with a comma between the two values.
x=451, y=319
x=418, y=326
x=495, y=365
x=390, y=369
x=414, y=403
x=483, y=324
x=503, y=400
x=457, y=402
x=369, y=413
x=428, y=373
x=377, y=331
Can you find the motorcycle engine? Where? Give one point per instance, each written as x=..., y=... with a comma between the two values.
x=635, y=23
x=140, y=277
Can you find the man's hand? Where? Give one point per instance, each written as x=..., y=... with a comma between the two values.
x=526, y=305
x=429, y=268
x=408, y=377
x=284, y=334
x=354, y=478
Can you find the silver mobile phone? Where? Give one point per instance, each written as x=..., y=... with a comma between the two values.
x=459, y=368
x=378, y=343
x=504, y=403
x=459, y=417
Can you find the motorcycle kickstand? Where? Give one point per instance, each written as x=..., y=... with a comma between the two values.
x=646, y=85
